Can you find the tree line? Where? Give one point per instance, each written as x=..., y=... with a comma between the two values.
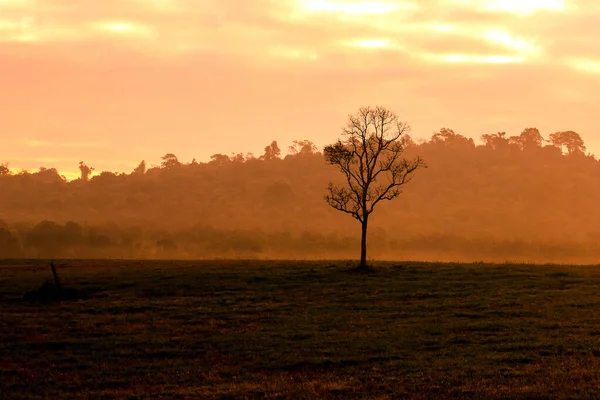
x=512, y=197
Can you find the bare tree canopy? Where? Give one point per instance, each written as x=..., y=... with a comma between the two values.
x=369, y=156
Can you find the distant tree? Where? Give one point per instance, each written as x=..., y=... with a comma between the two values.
x=9, y=244
x=140, y=169
x=85, y=171
x=73, y=233
x=237, y=157
x=449, y=138
x=443, y=135
x=250, y=156
x=4, y=171
x=272, y=152
x=569, y=140
x=169, y=161
x=304, y=147
x=369, y=156
x=529, y=138
x=219, y=159
x=47, y=238
x=408, y=141
x=495, y=140
x=48, y=175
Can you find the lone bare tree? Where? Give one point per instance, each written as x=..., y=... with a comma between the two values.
x=369, y=155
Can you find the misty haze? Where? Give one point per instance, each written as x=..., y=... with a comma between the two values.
x=523, y=197
x=299, y=199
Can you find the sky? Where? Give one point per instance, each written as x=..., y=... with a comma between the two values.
x=115, y=82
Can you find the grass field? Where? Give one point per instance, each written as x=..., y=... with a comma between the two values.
x=301, y=330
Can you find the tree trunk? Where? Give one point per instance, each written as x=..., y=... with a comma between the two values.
x=363, y=244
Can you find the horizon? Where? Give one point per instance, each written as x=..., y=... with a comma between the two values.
x=72, y=175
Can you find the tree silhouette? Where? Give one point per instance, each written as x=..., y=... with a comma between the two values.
x=369, y=156
x=4, y=171
x=9, y=244
x=445, y=135
x=529, y=138
x=495, y=140
x=140, y=169
x=85, y=171
x=302, y=147
x=219, y=159
x=169, y=161
x=568, y=139
x=272, y=152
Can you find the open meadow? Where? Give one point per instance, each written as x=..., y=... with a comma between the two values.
x=300, y=330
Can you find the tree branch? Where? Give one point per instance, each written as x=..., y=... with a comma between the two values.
x=372, y=150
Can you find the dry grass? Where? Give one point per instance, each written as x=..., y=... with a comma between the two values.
x=302, y=330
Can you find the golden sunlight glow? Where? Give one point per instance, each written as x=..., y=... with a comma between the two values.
x=443, y=27
x=119, y=27
x=585, y=65
x=520, y=7
x=16, y=3
x=293, y=53
x=370, y=43
x=124, y=28
x=71, y=176
x=524, y=6
x=167, y=6
x=36, y=143
x=28, y=29
x=7, y=25
x=49, y=159
x=350, y=7
x=506, y=39
x=17, y=30
x=23, y=37
x=502, y=59
x=473, y=58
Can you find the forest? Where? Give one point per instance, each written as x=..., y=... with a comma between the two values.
x=511, y=198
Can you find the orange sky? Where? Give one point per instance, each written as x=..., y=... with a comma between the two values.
x=115, y=82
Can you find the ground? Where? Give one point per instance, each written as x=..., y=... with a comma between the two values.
x=301, y=330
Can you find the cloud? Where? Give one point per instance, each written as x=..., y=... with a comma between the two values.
x=267, y=32
x=156, y=6
x=355, y=7
x=586, y=65
x=124, y=29
x=434, y=30
x=519, y=7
